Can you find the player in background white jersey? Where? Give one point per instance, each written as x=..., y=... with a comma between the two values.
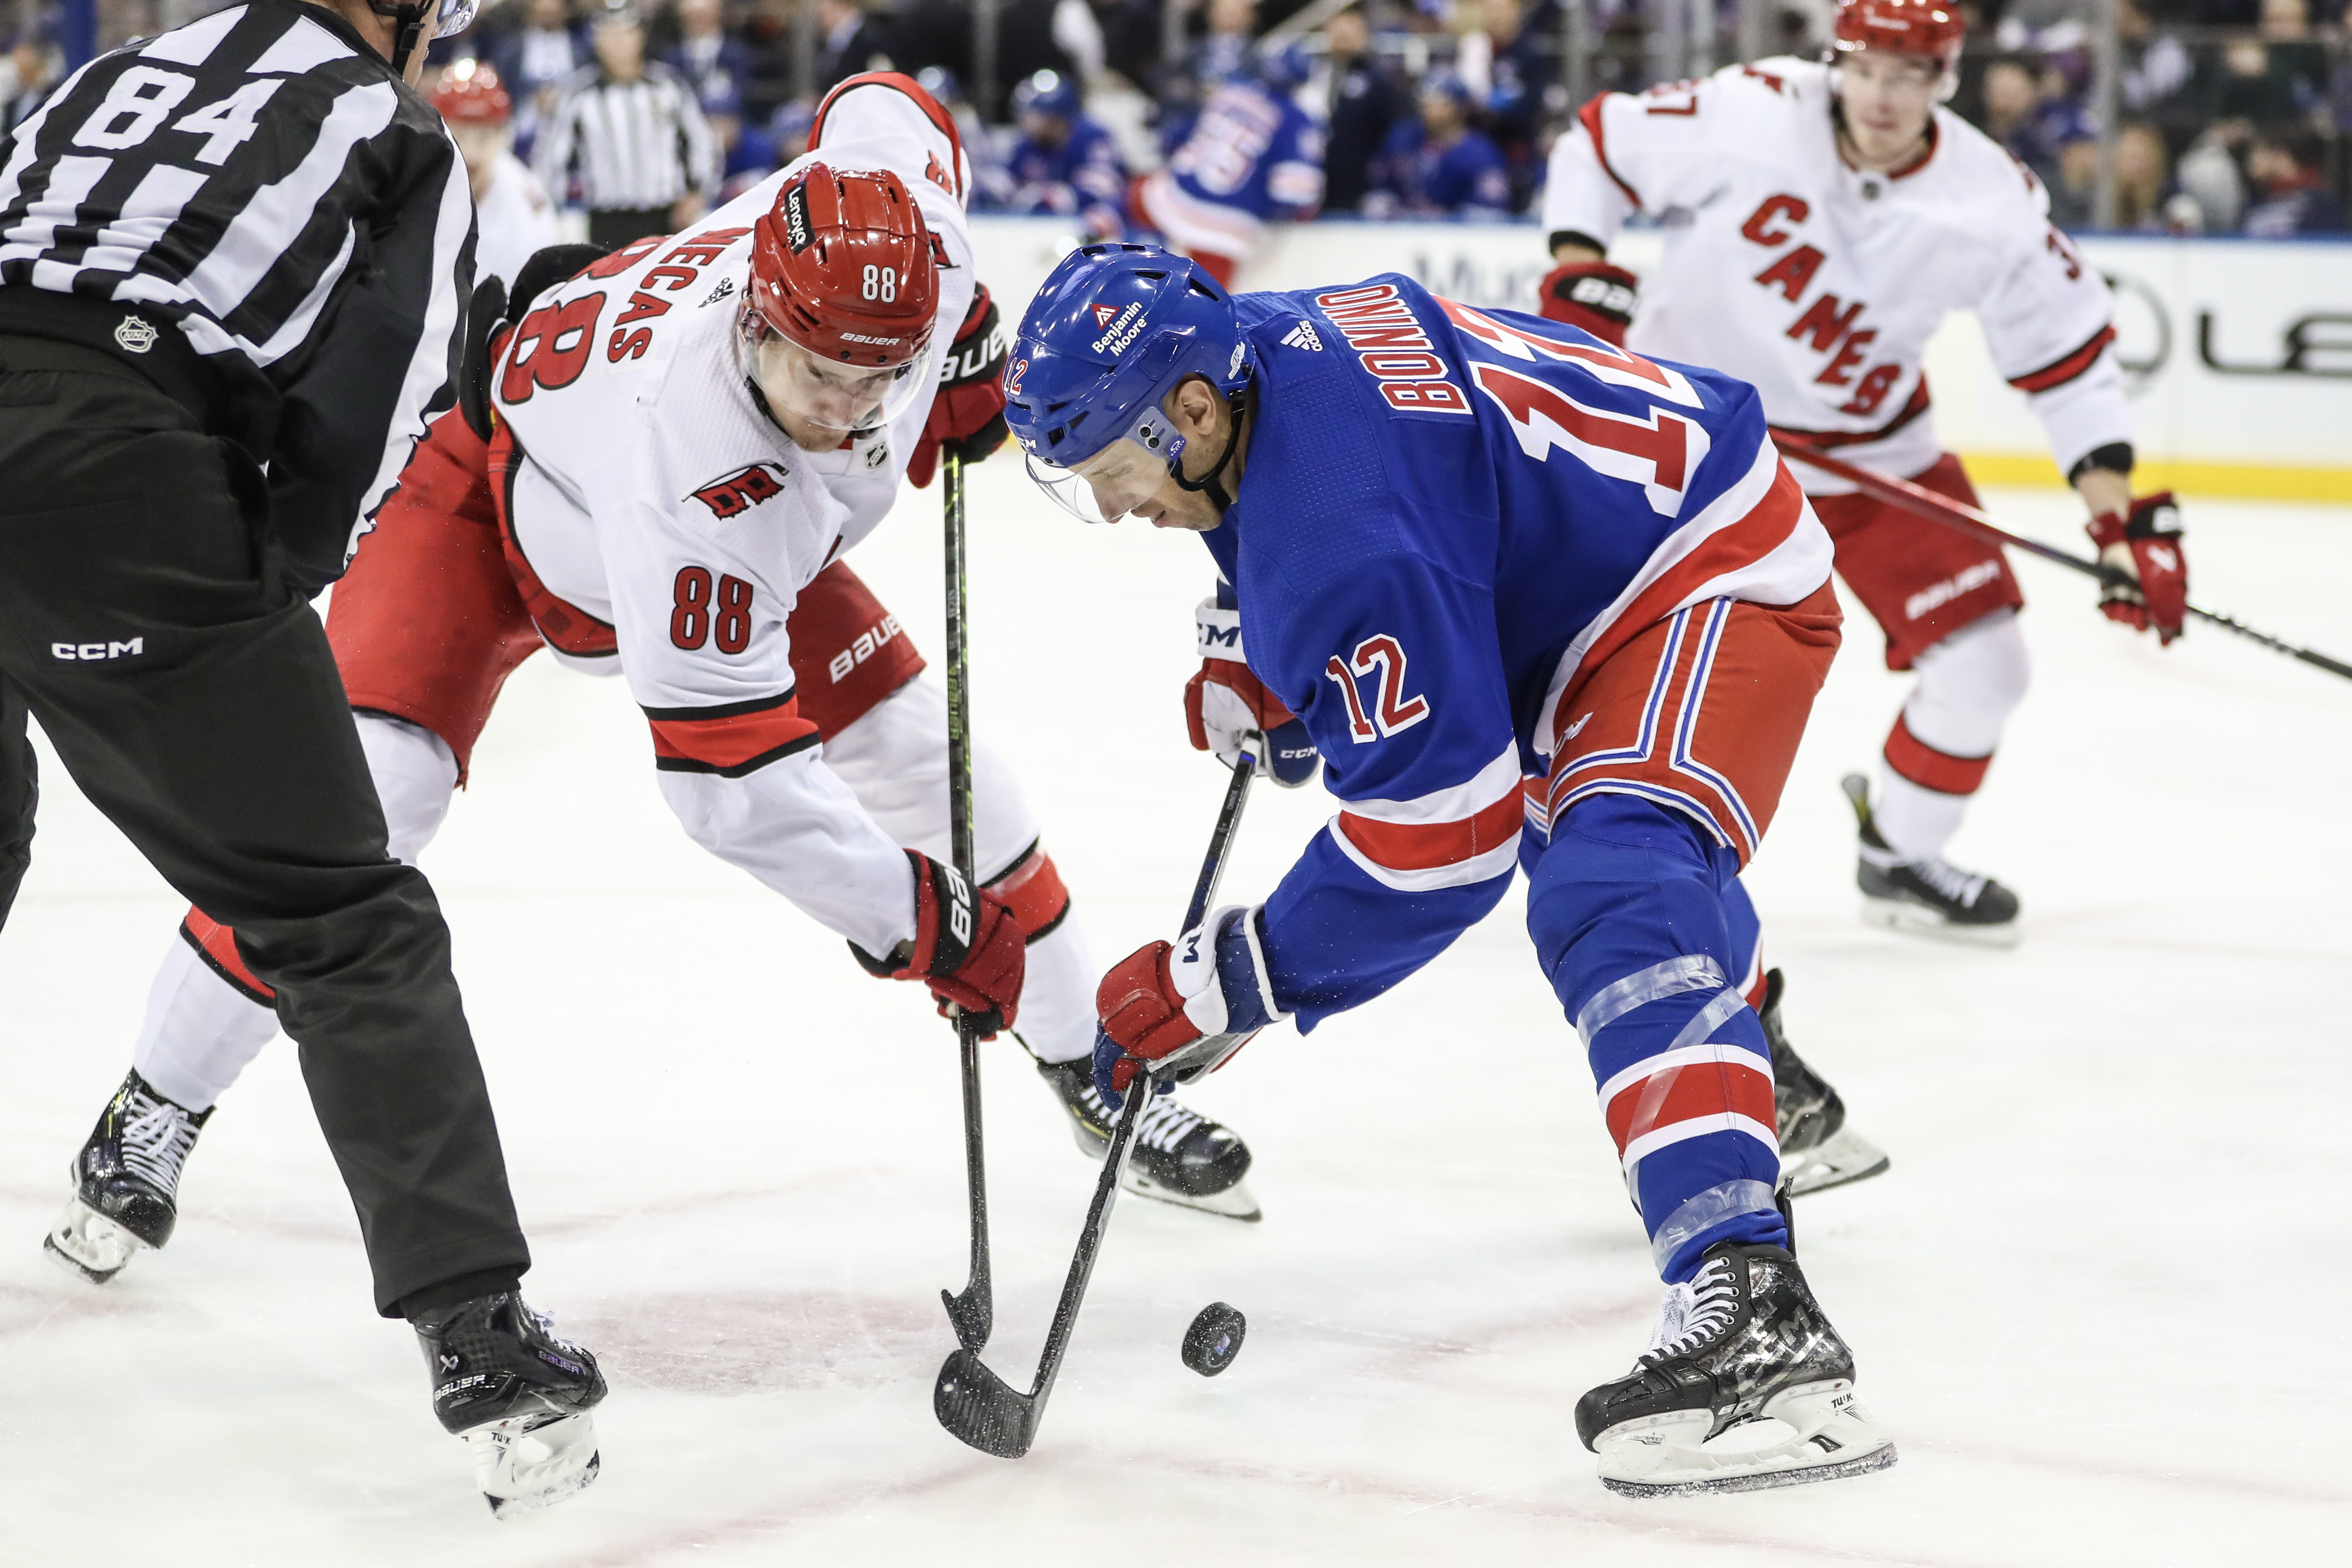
x=513, y=219
x=687, y=437
x=1821, y=218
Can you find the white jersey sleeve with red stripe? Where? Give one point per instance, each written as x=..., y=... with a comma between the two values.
x=1821, y=283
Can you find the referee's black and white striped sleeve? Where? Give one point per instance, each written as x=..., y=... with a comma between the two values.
x=262, y=180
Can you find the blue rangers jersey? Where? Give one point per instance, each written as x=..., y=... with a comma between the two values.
x=1083, y=176
x=1447, y=515
x=1250, y=156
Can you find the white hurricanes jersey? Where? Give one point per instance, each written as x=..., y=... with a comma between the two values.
x=1822, y=283
x=512, y=220
x=653, y=495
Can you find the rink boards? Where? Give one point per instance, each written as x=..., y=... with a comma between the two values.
x=2238, y=354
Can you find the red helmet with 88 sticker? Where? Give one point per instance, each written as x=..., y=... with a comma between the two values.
x=845, y=267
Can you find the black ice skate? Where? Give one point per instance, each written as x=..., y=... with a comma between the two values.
x=126, y=1182
x=1179, y=1156
x=518, y=1394
x=1818, y=1150
x=1743, y=1344
x=1930, y=897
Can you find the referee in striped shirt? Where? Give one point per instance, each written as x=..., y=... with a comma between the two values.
x=627, y=140
x=233, y=266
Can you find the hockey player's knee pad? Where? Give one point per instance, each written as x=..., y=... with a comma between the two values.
x=1968, y=685
x=1624, y=885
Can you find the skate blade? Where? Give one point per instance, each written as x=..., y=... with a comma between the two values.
x=1234, y=1202
x=1845, y=1157
x=1914, y=920
x=527, y=1463
x=1835, y=1439
x=90, y=1245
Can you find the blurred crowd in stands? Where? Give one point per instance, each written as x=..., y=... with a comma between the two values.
x=2233, y=116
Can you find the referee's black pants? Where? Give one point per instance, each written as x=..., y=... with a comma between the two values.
x=192, y=696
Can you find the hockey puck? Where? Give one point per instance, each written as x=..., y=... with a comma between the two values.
x=1214, y=1339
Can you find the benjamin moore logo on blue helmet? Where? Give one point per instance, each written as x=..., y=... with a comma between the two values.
x=1112, y=332
x=1124, y=326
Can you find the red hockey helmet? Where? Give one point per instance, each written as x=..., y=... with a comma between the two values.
x=844, y=292
x=1929, y=28
x=843, y=266
x=469, y=92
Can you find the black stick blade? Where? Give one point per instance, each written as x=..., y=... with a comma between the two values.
x=973, y=1314
x=981, y=1409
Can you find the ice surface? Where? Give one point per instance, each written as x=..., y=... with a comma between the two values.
x=2100, y=1299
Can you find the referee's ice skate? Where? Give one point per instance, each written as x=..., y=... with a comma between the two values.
x=126, y=1182
x=1181, y=1156
x=519, y=1395
x=1742, y=1345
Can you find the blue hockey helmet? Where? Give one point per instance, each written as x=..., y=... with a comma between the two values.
x=1112, y=331
x=1285, y=70
x=1047, y=92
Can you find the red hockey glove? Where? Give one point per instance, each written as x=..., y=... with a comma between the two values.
x=1183, y=1010
x=968, y=415
x=1224, y=702
x=967, y=948
x=2145, y=543
x=1592, y=295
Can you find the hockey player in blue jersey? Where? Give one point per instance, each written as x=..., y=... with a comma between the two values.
x=1251, y=157
x=1539, y=602
x=1064, y=165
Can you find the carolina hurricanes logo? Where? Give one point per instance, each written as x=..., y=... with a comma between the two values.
x=741, y=490
x=1105, y=314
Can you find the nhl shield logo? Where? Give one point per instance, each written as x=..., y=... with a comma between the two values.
x=136, y=335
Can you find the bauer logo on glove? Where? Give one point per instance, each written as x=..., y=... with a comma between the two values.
x=967, y=948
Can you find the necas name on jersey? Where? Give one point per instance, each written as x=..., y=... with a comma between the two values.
x=1395, y=349
x=562, y=332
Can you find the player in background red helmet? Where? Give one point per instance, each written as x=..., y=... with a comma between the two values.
x=1816, y=265
x=513, y=217
x=684, y=439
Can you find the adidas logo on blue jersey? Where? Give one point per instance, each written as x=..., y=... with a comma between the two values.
x=1302, y=336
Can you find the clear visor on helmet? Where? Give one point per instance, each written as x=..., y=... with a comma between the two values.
x=453, y=18
x=1118, y=479
x=826, y=397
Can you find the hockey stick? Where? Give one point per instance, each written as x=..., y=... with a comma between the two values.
x=971, y=1402
x=1969, y=519
x=973, y=1312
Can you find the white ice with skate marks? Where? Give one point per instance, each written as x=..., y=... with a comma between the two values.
x=740, y=1162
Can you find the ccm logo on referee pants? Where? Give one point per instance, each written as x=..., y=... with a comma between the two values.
x=85, y=652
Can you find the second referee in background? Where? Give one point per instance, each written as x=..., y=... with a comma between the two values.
x=627, y=140
x=234, y=261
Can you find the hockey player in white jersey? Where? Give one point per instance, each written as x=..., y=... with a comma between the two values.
x=687, y=437
x=1820, y=220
